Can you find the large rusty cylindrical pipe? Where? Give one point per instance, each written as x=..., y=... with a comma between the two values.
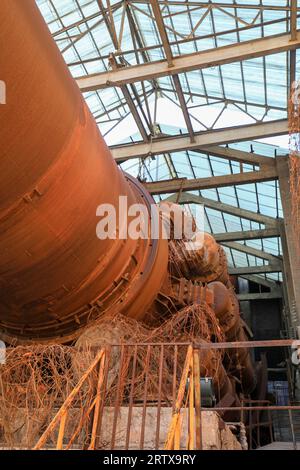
x=226, y=308
x=205, y=264
x=55, y=170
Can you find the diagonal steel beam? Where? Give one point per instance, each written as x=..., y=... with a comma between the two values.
x=236, y=155
x=134, y=112
x=276, y=294
x=230, y=154
x=202, y=139
x=293, y=29
x=169, y=56
x=293, y=19
x=268, y=268
x=188, y=198
x=251, y=251
x=181, y=184
x=162, y=31
x=186, y=63
x=184, y=108
x=262, y=281
x=106, y=13
x=247, y=235
x=239, y=4
x=109, y=23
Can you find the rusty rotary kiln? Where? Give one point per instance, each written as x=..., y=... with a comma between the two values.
x=56, y=277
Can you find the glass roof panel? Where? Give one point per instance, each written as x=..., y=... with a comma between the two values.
x=92, y=33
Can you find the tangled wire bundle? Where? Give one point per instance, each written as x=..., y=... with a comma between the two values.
x=34, y=383
x=36, y=380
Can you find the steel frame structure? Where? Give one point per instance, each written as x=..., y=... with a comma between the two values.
x=128, y=67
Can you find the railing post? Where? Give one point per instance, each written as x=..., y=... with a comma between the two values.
x=191, y=407
x=182, y=387
x=97, y=403
x=177, y=435
x=61, y=432
x=61, y=415
x=197, y=386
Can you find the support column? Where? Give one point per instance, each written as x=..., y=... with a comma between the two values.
x=291, y=259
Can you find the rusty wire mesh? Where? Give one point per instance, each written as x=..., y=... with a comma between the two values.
x=294, y=159
x=34, y=383
x=36, y=380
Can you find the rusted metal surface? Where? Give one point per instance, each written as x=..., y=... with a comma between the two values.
x=55, y=170
x=273, y=343
x=197, y=385
x=156, y=392
x=62, y=414
x=179, y=400
x=142, y=437
x=206, y=264
x=201, y=275
x=174, y=375
x=118, y=399
x=103, y=391
x=227, y=310
x=161, y=364
x=263, y=407
x=56, y=276
x=191, y=400
x=130, y=406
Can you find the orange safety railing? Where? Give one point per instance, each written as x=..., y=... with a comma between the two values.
x=62, y=415
x=190, y=389
x=132, y=385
